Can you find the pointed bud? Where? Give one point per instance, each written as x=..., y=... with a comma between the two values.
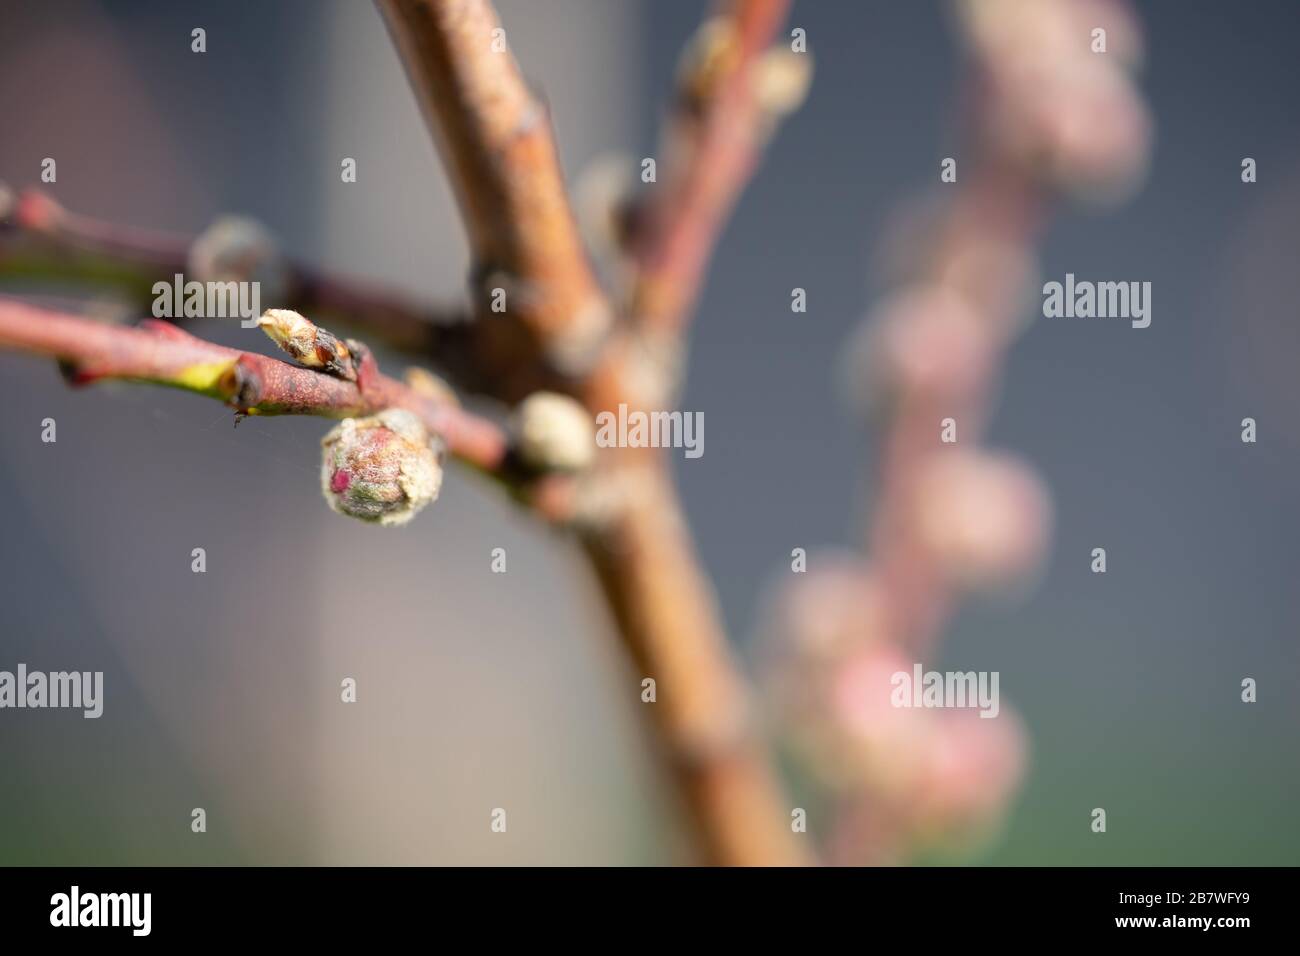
x=709, y=54
x=382, y=468
x=308, y=343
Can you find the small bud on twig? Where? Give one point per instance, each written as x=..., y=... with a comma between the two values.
x=554, y=433
x=925, y=341
x=308, y=343
x=604, y=204
x=710, y=53
x=238, y=249
x=382, y=468
x=782, y=79
x=424, y=382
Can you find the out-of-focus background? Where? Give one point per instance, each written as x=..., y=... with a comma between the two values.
x=481, y=690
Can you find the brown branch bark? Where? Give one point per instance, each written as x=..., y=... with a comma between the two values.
x=498, y=147
x=250, y=383
x=499, y=150
x=665, y=611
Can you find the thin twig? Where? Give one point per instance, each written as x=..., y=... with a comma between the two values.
x=668, y=619
x=252, y=384
x=42, y=241
x=710, y=148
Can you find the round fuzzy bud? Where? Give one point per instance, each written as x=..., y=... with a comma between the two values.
x=1006, y=33
x=554, y=433
x=949, y=782
x=924, y=342
x=826, y=662
x=1082, y=126
x=383, y=468
x=983, y=517
x=782, y=78
x=237, y=249
x=973, y=766
x=881, y=745
x=1065, y=113
x=828, y=612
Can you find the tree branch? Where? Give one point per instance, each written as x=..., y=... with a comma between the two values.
x=665, y=612
x=499, y=150
x=252, y=384
x=42, y=241
x=731, y=92
x=500, y=153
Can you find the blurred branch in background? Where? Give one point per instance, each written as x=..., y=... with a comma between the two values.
x=1048, y=115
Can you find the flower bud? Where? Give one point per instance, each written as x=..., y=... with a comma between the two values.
x=827, y=612
x=826, y=662
x=925, y=342
x=782, y=78
x=554, y=433
x=982, y=517
x=881, y=746
x=949, y=783
x=309, y=344
x=237, y=249
x=382, y=468
x=973, y=767
x=709, y=54
x=1081, y=126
